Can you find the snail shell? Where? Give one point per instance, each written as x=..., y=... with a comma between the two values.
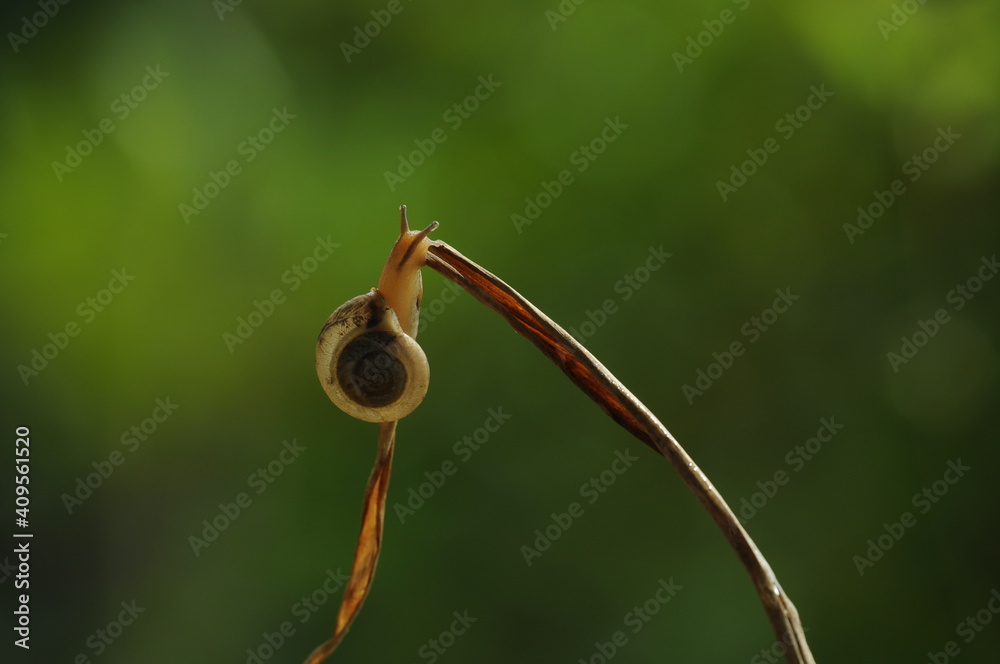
x=368, y=366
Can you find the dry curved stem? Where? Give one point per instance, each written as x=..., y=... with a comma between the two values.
x=624, y=408
x=369, y=543
x=614, y=399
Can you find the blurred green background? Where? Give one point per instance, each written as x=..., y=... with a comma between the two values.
x=317, y=177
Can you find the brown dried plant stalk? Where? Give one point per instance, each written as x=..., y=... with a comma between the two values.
x=369, y=543
x=617, y=402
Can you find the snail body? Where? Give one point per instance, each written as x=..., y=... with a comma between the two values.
x=367, y=358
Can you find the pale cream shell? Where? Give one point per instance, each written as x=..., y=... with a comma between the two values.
x=361, y=315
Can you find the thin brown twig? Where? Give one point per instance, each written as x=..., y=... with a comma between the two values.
x=369, y=543
x=624, y=408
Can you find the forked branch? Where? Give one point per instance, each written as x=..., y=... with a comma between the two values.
x=604, y=389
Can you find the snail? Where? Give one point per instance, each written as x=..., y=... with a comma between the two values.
x=367, y=358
